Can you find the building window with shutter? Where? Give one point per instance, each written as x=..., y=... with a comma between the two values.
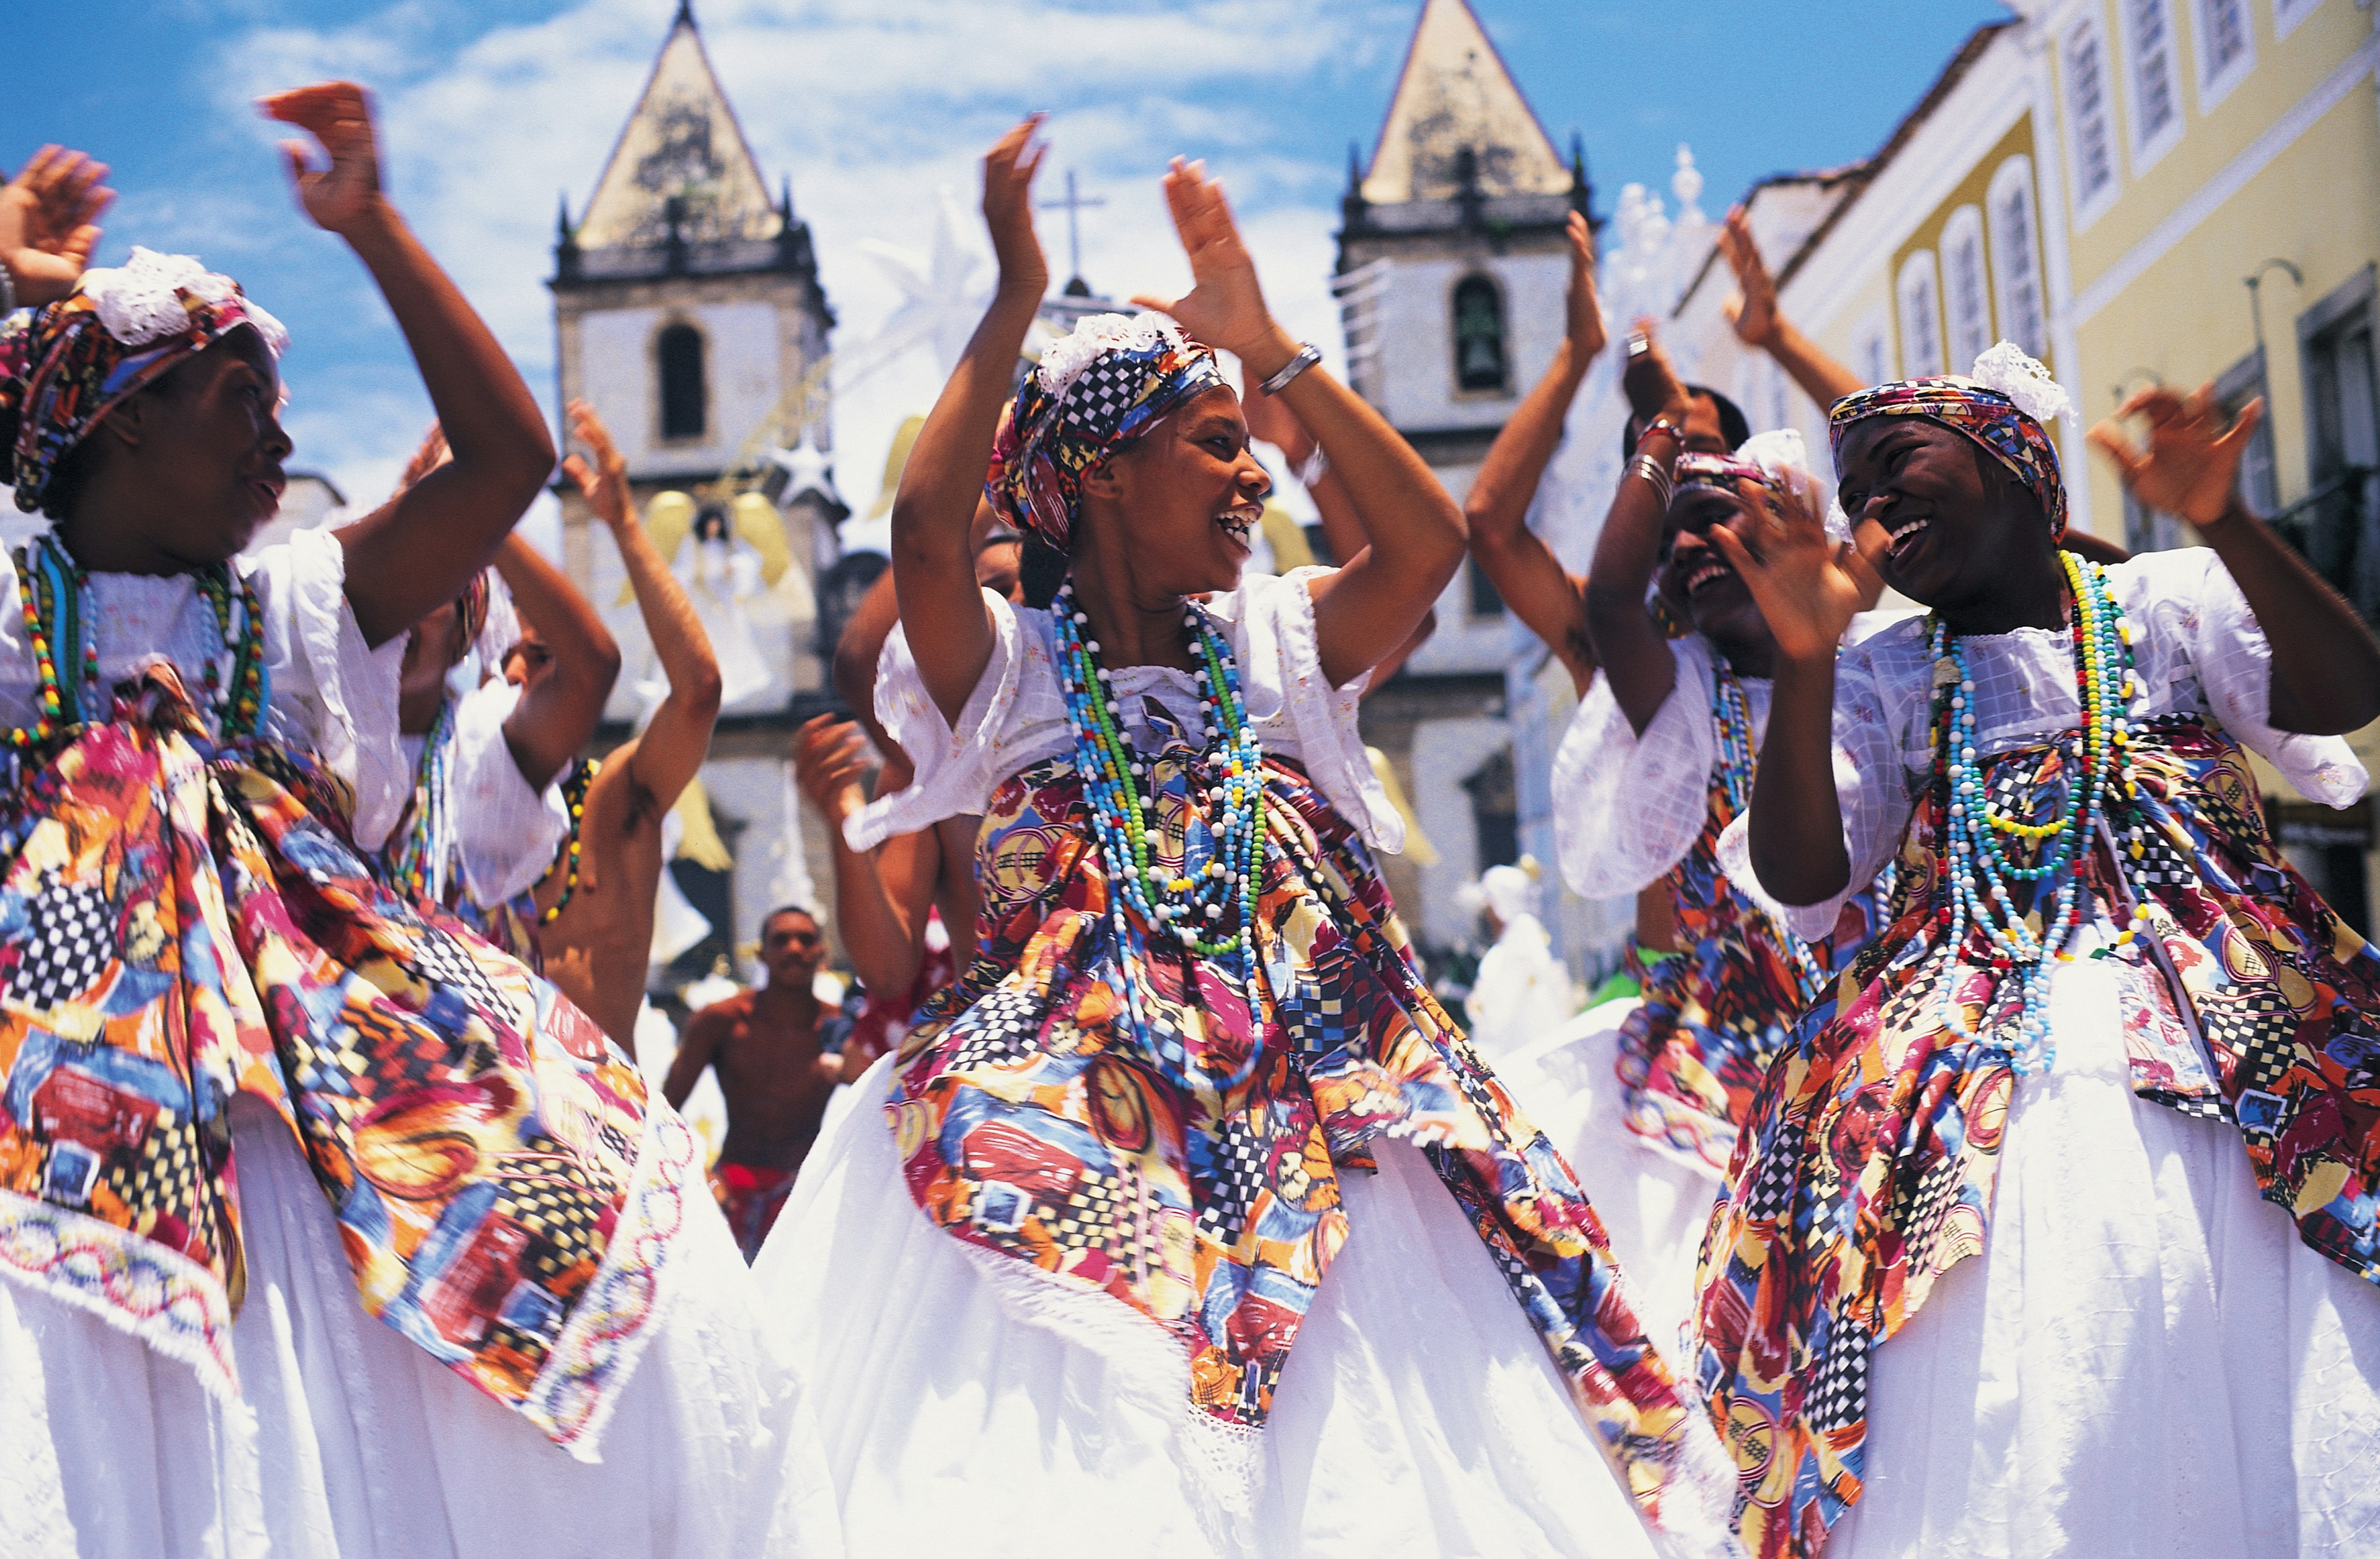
x=1921, y=316
x=1966, y=295
x=686, y=400
x=1479, y=334
x=2152, y=69
x=2227, y=49
x=2016, y=261
x=2090, y=137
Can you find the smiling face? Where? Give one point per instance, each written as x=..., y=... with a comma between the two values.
x=190, y=466
x=1696, y=579
x=1955, y=528
x=1180, y=504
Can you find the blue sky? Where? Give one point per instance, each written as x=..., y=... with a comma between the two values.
x=491, y=108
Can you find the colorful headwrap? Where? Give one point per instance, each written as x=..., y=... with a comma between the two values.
x=1775, y=465
x=2001, y=407
x=1091, y=394
x=64, y=366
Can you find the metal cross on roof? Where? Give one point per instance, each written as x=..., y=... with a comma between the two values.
x=1073, y=205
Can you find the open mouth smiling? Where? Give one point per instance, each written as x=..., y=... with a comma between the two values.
x=1902, y=536
x=1706, y=574
x=1239, y=524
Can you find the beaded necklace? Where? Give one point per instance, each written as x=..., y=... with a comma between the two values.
x=1731, y=717
x=421, y=865
x=573, y=794
x=53, y=592
x=1979, y=868
x=1212, y=914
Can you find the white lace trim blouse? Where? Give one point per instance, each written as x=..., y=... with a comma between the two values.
x=331, y=694
x=2197, y=648
x=1016, y=716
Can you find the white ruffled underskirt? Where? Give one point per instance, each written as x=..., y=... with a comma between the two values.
x=350, y=1443
x=2145, y=1362
x=1654, y=1205
x=1419, y=1413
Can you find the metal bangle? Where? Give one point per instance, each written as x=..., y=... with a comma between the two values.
x=1664, y=486
x=1307, y=355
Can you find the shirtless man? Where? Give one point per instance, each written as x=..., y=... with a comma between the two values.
x=776, y=1082
x=596, y=904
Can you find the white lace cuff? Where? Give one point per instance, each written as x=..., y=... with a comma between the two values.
x=507, y=833
x=955, y=769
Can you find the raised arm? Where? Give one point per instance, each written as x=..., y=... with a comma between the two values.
x=562, y=702
x=697, y=1048
x=2325, y=670
x=933, y=550
x=422, y=546
x=674, y=742
x=1758, y=323
x=880, y=932
x=1632, y=649
x=1808, y=590
x=1516, y=559
x=1372, y=603
x=49, y=222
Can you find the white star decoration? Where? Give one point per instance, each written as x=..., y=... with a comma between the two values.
x=942, y=294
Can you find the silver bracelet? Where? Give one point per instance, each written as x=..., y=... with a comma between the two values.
x=1664, y=486
x=1307, y=355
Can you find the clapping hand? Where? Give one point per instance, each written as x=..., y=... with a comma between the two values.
x=1808, y=589
x=1008, y=170
x=830, y=756
x=1650, y=383
x=1753, y=311
x=1224, y=307
x=1588, y=335
x=347, y=194
x=2192, y=460
x=49, y=222
x=605, y=483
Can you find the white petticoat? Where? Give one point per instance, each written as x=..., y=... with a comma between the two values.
x=1654, y=1205
x=1419, y=1413
x=2146, y=1360
x=350, y=1443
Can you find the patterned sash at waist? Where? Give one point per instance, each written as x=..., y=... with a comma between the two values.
x=1873, y=1144
x=1032, y=1123
x=182, y=921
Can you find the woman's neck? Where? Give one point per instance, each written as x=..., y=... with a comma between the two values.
x=1130, y=628
x=2031, y=594
x=417, y=708
x=1748, y=657
x=100, y=548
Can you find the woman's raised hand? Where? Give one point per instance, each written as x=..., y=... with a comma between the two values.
x=1753, y=311
x=1588, y=335
x=1808, y=589
x=1650, y=381
x=1224, y=307
x=1008, y=170
x=49, y=221
x=2192, y=460
x=338, y=115
x=604, y=478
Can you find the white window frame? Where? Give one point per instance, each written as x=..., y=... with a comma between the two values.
x=1872, y=346
x=2087, y=203
x=2214, y=85
x=2013, y=178
x=2147, y=146
x=1920, y=272
x=1962, y=228
x=2289, y=14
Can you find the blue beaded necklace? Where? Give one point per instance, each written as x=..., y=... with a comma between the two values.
x=1731, y=719
x=1211, y=914
x=1978, y=866
x=421, y=858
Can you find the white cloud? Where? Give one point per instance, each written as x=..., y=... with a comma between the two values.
x=868, y=105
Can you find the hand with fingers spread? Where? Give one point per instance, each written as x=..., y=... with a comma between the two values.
x=1588, y=333
x=1753, y=311
x=1008, y=170
x=1224, y=307
x=604, y=482
x=49, y=222
x=2189, y=467
x=1807, y=587
x=345, y=195
x=1651, y=383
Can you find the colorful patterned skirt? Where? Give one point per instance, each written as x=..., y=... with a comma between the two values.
x=1192, y=1211
x=1875, y=1145
x=187, y=936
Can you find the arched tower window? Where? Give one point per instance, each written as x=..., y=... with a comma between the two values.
x=1479, y=334
x=684, y=401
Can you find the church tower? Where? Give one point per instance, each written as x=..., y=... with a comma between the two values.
x=1452, y=267
x=688, y=311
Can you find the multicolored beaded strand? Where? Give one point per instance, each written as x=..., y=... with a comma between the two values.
x=1978, y=867
x=420, y=868
x=573, y=794
x=1120, y=788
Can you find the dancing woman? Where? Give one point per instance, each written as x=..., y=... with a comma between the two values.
x=2007, y=1257
x=1126, y=1159
x=254, y=1098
